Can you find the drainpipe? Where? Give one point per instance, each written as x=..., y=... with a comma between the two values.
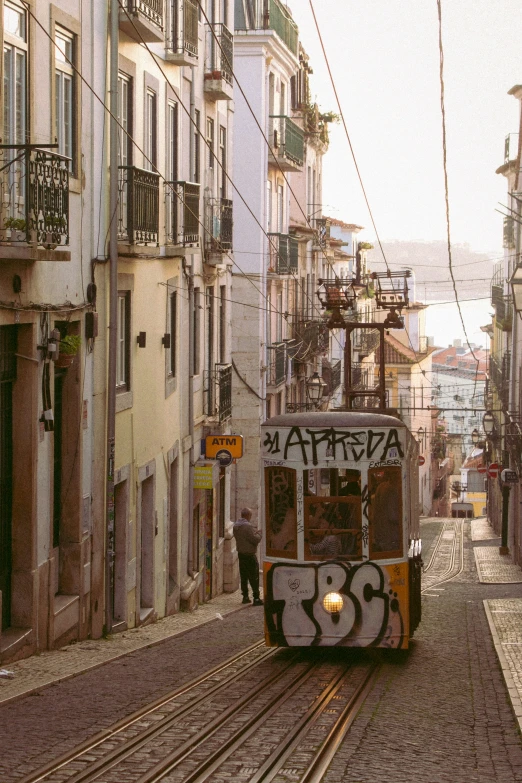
x=113, y=312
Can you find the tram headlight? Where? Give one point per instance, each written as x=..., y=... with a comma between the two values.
x=333, y=602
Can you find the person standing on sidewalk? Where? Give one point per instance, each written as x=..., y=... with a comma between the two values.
x=247, y=540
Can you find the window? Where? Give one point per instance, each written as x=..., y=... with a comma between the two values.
x=333, y=514
x=223, y=161
x=150, y=130
x=197, y=149
x=64, y=92
x=268, y=206
x=222, y=323
x=196, y=330
x=14, y=104
x=280, y=209
x=210, y=345
x=210, y=142
x=385, y=512
x=172, y=142
x=281, y=517
x=173, y=334
x=123, y=355
x=124, y=120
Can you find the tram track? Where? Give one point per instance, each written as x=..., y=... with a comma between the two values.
x=272, y=711
x=454, y=560
x=117, y=731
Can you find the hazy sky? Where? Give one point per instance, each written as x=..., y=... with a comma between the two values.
x=385, y=60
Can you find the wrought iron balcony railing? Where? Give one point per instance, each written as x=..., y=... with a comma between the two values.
x=138, y=207
x=34, y=197
x=312, y=338
x=182, y=213
x=287, y=139
x=218, y=392
x=365, y=340
x=499, y=372
x=322, y=227
x=219, y=52
x=142, y=19
x=276, y=364
x=331, y=374
x=271, y=15
x=503, y=307
x=181, y=36
x=218, y=225
x=283, y=254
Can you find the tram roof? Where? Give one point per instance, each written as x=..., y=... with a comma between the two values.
x=334, y=419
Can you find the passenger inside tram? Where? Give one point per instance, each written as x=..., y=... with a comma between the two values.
x=385, y=510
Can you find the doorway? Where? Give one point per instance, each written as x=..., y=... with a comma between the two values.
x=7, y=377
x=147, y=547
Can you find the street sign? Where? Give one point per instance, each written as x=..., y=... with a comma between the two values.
x=230, y=443
x=421, y=460
x=482, y=469
x=224, y=457
x=493, y=470
x=509, y=476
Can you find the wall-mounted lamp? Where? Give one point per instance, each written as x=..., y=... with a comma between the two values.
x=314, y=388
x=142, y=339
x=516, y=287
x=488, y=423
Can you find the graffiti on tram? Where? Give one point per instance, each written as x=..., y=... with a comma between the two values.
x=312, y=445
x=371, y=614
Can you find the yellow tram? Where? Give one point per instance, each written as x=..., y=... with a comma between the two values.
x=342, y=551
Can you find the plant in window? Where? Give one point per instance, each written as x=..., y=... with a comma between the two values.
x=16, y=225
x=69, y=347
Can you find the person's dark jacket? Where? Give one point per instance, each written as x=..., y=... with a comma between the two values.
x=247, y=538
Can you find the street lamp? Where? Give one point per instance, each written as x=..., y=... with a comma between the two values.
x=475, y=436
x=314, y=388
x=421, y=433
x=488, y=423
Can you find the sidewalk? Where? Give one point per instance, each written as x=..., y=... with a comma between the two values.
x=54, y=666
x=504, y=614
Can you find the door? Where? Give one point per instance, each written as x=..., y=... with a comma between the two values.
x=7, y=376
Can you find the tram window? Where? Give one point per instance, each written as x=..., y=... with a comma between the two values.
x=281, y=517
x=385, y=511
x=333, y=521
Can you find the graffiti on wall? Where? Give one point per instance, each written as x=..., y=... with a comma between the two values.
x=374, y=605
x=311, y=446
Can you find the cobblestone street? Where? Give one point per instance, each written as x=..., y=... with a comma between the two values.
x=440, y=714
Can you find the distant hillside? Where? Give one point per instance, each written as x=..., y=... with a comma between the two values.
x=429, y=260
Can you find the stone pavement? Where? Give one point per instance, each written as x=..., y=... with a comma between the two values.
x=54, y=666
x=504, y=615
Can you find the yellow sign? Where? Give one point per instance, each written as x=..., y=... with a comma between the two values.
x=203, y=476
x=231, y=443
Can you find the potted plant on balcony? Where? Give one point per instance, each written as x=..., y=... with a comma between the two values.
x=69, y=347
x=15, y=229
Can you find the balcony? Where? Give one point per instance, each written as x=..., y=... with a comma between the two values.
x=287, y=142
x=181, y=35
x=182, y=221
x=283, y=254
x=499, y=372
x=138, y=206
x=321, y=238
x=276, y=364
x=219, y=58
x=142, y=20
x=331, y=374
x=312, y=338
x=34, y=201
x=272, y=15
x=218, y=229
x=503, y=307
x=219, y=392
x=365, y=341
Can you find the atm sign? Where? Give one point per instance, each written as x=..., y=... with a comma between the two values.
x=231, y=443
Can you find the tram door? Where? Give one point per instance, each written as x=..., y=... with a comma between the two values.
x=7, y=377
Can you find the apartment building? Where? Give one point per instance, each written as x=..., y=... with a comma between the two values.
x=49, y=570
x=173, y=364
